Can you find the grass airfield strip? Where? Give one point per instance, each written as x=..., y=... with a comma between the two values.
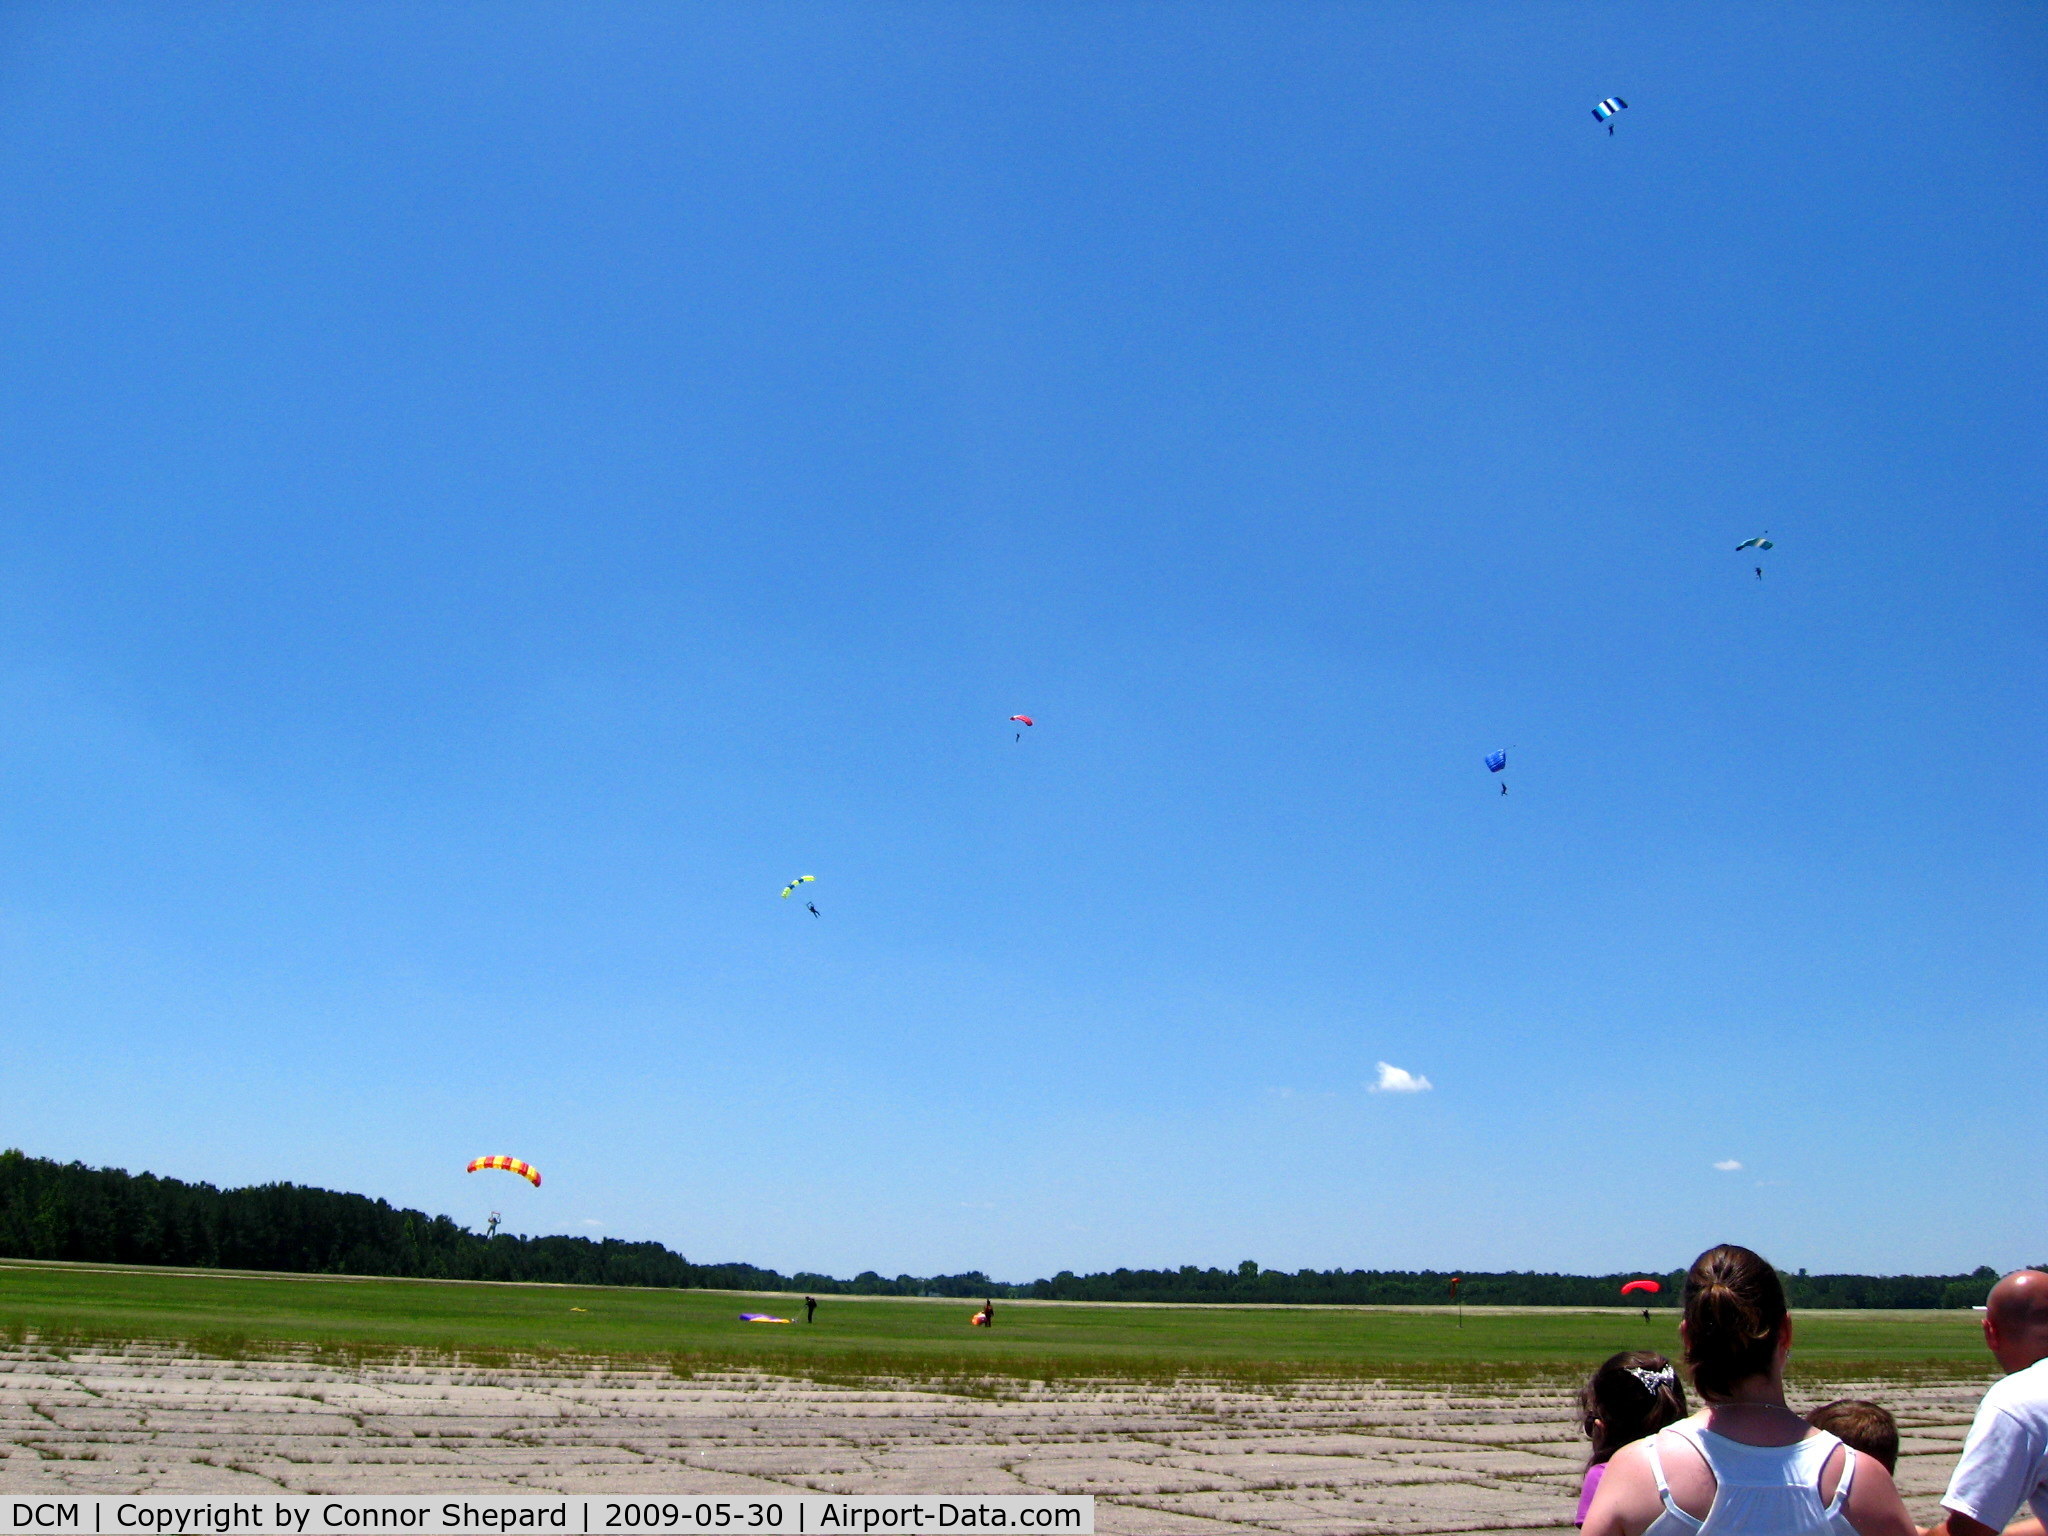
x=234, y=1312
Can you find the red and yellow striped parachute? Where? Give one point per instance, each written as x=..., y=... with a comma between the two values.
x=511, y=1165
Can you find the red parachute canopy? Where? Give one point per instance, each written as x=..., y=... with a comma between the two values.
x=1642, y=1285
x=1021, y=719
x=511, y=1165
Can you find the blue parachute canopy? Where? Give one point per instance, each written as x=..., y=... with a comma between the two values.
x=1495, y=761
x=1607, y=109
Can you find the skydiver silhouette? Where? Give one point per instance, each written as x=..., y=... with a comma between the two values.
x=1503, y=786
x=811, y=1309
x=491, y=1226
x=1016, y=736
x=1759, y=573
x=813, y=906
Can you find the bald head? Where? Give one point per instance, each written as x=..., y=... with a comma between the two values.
x=2016, y=1319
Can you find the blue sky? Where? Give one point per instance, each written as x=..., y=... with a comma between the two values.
x=493, y=492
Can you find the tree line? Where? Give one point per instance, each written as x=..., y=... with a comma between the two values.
x=1379, y=1287
x=51, y=1210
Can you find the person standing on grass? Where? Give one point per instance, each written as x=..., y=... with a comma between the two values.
x=2005, y=1458
x=1746, y=1464
x=810, y=1309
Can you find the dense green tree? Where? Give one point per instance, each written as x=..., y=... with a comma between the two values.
x=54, y=1210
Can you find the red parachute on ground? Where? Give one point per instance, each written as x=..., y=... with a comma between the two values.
x=1652, y=1286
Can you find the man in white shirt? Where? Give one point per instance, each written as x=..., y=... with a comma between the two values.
x=2005, y=1458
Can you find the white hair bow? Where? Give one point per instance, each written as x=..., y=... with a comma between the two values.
x=1653, y=1381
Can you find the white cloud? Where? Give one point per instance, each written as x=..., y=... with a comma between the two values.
x=1394, y=1080
x=592, y=1221
x=1728, y=1165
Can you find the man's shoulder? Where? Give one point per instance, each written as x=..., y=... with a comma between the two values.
x=2023, y=1394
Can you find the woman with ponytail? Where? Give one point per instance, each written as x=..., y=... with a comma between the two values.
x=1746, y=1463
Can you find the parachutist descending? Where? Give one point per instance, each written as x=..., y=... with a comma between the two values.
x=1019, y=720
x=1503, y=789
x=1760, y=543
x=1604, y=113
x=491, y=1226
x=799, y=880
x=812, y=907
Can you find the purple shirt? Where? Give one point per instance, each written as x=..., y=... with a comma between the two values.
x=1587, y=1489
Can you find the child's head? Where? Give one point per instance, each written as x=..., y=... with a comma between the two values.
x=1863, y=1426
x=1635, y=1393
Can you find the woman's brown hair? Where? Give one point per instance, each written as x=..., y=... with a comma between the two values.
x=1635, y=1393
x=1734, y=1308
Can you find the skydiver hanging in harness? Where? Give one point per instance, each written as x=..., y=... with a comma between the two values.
x=812, y=906
x=1760, y=543
x=491, y=1226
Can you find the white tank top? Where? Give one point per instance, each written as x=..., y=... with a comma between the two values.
x=1759, y=1490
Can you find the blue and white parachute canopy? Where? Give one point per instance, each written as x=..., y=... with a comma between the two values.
x=1495, y=761
x=1607, y=109
x=1762, y=542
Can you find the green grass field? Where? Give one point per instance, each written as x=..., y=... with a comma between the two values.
x=235, y=1313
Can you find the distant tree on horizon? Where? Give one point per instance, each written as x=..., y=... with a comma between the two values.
x=51, y=1210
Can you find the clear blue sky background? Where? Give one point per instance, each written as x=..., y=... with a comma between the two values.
x=492, y=491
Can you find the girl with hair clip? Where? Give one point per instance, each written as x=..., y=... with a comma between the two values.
x=1746, y=1463
x=1633, y=1394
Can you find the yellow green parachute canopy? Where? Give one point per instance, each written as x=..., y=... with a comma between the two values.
x=799, y=880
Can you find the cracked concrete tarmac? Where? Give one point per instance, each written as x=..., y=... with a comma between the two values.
x=1315, y=1458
